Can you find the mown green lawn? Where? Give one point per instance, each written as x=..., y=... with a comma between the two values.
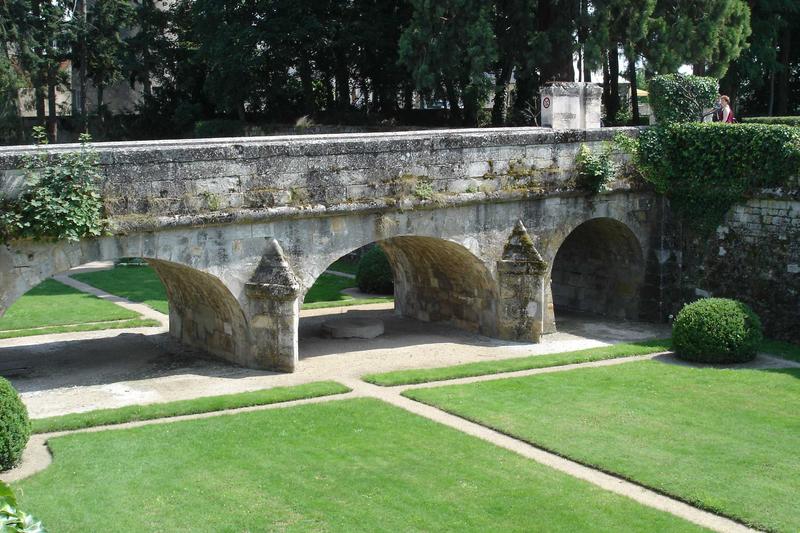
x=141, y=284
x=136, y=283
x=326, y=292
x=426, y=375
x=349, y=465
x=52, y=307
x=132, y=413
x=725, y=440
x=783, y=349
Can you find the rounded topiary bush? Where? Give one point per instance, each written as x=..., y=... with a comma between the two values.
x=716, y=330
x=15, y=427
x=374, y=272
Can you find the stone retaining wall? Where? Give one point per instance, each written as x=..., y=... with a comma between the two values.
x=755, y=256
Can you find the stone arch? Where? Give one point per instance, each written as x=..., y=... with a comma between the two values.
x=439, y=280
x=203, y=313
x=599, y=269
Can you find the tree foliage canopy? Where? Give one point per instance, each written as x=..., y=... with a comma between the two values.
x=202, y=59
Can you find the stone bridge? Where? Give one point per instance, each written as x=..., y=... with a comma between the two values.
x=485, y=229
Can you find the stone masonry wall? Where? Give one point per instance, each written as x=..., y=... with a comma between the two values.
x=755, y=256
x=156, y=183
x=599, y=269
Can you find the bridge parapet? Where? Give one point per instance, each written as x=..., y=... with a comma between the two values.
x=158, y=183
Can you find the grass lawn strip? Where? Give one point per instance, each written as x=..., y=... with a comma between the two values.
x=142, y=285
x=133, y=413
x=349, y=303
x=75, y=328
x=54, y=304
x=722, y=440
x=342, y=265
x=327, y=292
x=138, y=284
x=426, y=375
x=785, y=350
x=349, y=465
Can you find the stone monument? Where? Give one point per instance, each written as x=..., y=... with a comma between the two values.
x=570, y=105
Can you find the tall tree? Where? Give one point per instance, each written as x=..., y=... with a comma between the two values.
x=106, y=50
x=514, y=29
x=557, y=22
x=450, y=44
x=43, y=45
x=377, y=29
x=147, y=45
x=706, y=33
x=615, y=25
x=10, y=76
x=762, y=74
x=231, y=45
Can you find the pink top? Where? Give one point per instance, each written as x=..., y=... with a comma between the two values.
x=727, y=115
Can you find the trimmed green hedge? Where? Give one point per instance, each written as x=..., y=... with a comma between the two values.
x=717, y=330
x=786, y=121
x=15, y=427
x=374, y=274
x=706, y=168
x=681, y=98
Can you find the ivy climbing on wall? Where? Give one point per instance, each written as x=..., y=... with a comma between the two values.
x=706, y=168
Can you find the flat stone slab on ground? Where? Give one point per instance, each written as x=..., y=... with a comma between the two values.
x=353, y=327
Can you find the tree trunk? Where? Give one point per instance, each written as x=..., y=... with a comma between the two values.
x=82, y=75
x=699, y=69
x=502, y=77
x=240, y=112
x=525, y=91
x=307, y=84
x=365, y=92
x=471, y=107
x=612, y=105
x=634, y=89
x=342, y=79
x=606, y=83
x=452, y=99
x=782, y=96
x=771, y=108
x=330, y=100
x=52, y=109
x=40, y=95
x=408, y=97
x=559, y=65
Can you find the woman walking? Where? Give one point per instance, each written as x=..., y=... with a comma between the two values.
x=725, y=113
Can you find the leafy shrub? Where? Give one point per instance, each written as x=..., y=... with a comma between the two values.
x=374, y=272
x=60, y=199
x=12, y=520
x=15, y=427
x=786, y=121
x=681, y=98
x=716, y=330
x=595, y=170
x=706, y=168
